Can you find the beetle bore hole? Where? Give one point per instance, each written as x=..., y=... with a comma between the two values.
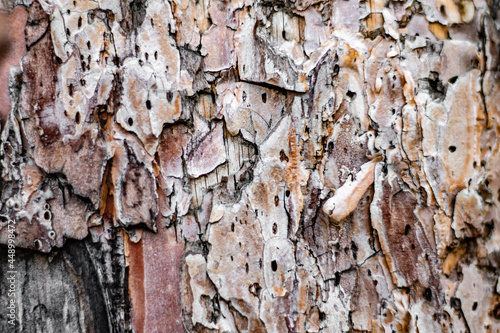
x=407, y=229
x=130, y=121
x=46, y=215
x=275, y=228
x=264, y=98
x=452, y=149
x=148, y=104
x=428, y=294
x=77, y=118
x=274, y=265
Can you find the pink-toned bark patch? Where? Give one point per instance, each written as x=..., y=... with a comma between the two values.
x=12, y=48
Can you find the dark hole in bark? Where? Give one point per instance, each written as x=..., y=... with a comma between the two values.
x=274, y=265
x=337, y=279
x=336, y=70
x=474, y=306
x=46, y=215
x=453, y=79
x=428, y=294
x=354, y=250
x=283, y=156
x=452, y=149
x=264, y=98
x=130, y=121
x=330, y=147
x=148, y=104
x=407, y=229
x=351, y=94
x=496, y=311
x=275, y=228
x=77, y=118
x=246, y=268
x=232, y=227
x=287, y=193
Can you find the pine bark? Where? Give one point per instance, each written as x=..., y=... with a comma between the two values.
x=251, y=166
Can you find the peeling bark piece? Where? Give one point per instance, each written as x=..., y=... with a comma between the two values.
x=475, y=296
x=456, y=12
x=172, y=146
x=453, y=66
x=136, y=199
x=146, y=105
x=252, y=110
x=403, y=241
x=469, y=213
x=259, y=62
x=451, y=139
x=208, y=154
x=235, y=261
x=346, y=197
x=217, y=43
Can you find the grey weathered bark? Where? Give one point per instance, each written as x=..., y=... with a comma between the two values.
x=251, y=166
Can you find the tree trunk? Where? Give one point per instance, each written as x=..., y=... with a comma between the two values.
x=250, y=166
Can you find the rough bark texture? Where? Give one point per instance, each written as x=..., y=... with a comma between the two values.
x=251, y=165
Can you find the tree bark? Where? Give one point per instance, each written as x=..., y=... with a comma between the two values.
x=250, y=166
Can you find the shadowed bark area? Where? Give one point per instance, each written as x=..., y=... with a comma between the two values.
x=250, y=166
x=66, y=291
